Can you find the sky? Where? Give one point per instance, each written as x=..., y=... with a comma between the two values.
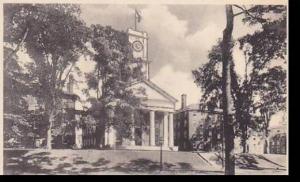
x=180, y=37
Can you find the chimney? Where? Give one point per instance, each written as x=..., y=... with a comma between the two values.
x=70, y=84
x=183, y=101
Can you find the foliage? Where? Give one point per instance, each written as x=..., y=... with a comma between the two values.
x=16, y=124
x=262, y=86
x=54, y=37
x=115, y=71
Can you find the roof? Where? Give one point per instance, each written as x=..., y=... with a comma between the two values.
x=72, y=96
x=157, y=88
x=195, y=107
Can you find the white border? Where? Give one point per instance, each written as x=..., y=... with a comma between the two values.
x=213, y=2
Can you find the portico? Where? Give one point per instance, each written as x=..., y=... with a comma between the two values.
x=160, y=128
x=167, y=129
x=155, y=124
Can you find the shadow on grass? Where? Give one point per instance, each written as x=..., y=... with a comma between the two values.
x=79, y=160
x=20, y=162
x=245, y=161
x=146, y=165
x=100, y=162
x=185, y=166
x=17, y=162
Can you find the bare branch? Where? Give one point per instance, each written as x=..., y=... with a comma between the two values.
x=68, y=73
x=247, y=11
x=17, y=48
x=238, y=13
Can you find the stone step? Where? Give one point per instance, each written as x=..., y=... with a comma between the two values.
x=136, y=147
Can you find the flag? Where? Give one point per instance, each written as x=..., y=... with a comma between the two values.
x=138, y=16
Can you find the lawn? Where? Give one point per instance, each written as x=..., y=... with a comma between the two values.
x=112, y=162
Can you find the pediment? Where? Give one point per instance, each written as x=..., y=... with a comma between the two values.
x=152, y=92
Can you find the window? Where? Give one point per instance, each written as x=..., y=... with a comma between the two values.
x=210, y=133
x=185, y=122
x=185, y=134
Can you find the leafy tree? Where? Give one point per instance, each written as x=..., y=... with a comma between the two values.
x=15, y=106
x=262, y=87
x=54, y=37
x=262, y=49
x=14, y=86
x=115, y=70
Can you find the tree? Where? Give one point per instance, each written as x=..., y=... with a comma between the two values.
x=115, y=70
x=259, y=80
x=15, y=106
x=14, y=86
x=227, y=102
x=261, y=49
x=54, y=37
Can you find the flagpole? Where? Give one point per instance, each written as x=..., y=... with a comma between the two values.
x=135, y=19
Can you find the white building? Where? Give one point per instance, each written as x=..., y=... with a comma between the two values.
x=157, y=105
x=274, y=143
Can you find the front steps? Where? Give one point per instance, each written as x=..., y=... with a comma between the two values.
x=136, y=147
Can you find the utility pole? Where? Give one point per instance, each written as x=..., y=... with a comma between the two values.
x=135, y=20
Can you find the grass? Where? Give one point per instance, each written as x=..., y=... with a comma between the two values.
x=79, y=162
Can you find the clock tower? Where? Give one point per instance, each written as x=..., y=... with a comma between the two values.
x=139, y=43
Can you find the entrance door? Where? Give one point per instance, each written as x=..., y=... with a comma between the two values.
x=89, y=136
x=138, y=136
x=158, y=132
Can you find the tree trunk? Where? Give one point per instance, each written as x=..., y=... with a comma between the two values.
x=267, y=118
x=244, y=138
x=98, y=80
x=51, y=108
x=49, y=131
x=267, y=146
x=227, y=99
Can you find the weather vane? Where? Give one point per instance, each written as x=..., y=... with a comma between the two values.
x=137, y=18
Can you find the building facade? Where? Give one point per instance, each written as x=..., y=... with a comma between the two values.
x=197, y=129
x=64, y=137
x=277, y=141
x=157, y=108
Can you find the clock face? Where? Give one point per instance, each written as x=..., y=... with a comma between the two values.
x=137, y=46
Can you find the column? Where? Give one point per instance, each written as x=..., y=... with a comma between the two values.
x=78, y=137
x=171, y=130
x=165, y=126
x=152, y=128
x=107, y=136
x=132, y=142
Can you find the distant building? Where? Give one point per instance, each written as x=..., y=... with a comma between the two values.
x=278, y=141
x=258, y=143
x=197, y=128
x=69, y=113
